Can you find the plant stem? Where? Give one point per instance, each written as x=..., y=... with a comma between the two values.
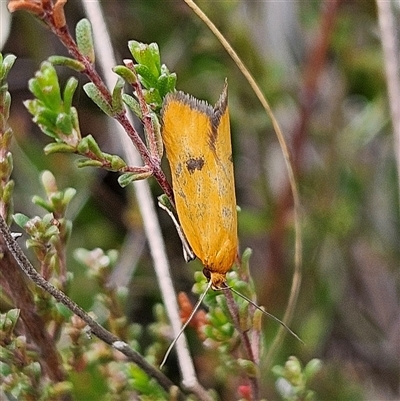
x=233, y=309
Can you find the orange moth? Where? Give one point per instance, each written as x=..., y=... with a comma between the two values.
x=197, y=141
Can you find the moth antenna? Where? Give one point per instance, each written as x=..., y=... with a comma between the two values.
x=196, y=307
x=264, y=312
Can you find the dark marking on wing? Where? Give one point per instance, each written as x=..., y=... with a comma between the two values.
x=193, y=164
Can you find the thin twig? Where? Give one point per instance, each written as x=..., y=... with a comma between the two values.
x=232, y=306
x=96, y=328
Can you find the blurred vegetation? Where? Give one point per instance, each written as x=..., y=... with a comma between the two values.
x=332, y=104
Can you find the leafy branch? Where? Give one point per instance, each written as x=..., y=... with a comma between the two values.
x=95, y=328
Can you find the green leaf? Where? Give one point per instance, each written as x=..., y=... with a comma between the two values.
x=249, y=367
x=8, y=192
x=133, y=104
x=47, y=79
x=20, y=219
x=44, y=204
x=117, y=103
x=89, y=163
x=67, y=62
x=127, y=74
x=93, y=92
x=69, y=193
x=164, y=200
x=312, y=368
x=146, y=55
x=64, y=123
x=6, y=167
x=90, y=143
x=152, y=96
x=69, y=91
x=154, y=60
x=157, y=134
x=6, y=106
x=84, y=39
x=166, y=83
x=8, y=322
x=126, y=178
x=58, y=147
x=146, y=77
x=35, y=88
x=117, y=163
x=6, y=65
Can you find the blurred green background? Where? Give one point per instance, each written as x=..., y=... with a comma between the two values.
x=320, y=65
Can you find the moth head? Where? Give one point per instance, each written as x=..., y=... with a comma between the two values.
x=218, y=280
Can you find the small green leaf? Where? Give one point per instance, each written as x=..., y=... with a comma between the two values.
x=7, y=64
x=57, y=147
x=64, y=123
x=166, y=83
x=117, y=103
x=6, y=166
x=69, y=91
x=249, y=367
x=49, y=182
x=147, y=55
x=51, y=231
x=20, y=219
x=67, y=62
x=47, y=79
x=8, y=192
x=117, y=163
x=127, y=74
x=93, y=92
x=89, y=163
x=75, y=122
x=312, y=368
x=84, y=39
x=8, y=322
x=127, y=178
x=5, y=139
x=146, y=77
x=171, y=82
x=6, y=106
x=157, y=134
x=69, y=193
x=93, y=146
x=46, y=117
x=164, y=200
x=133, y=104
x=152, y=97
x=154, y=56
x=35, y=88
x=44, y=204
x=278, y=371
